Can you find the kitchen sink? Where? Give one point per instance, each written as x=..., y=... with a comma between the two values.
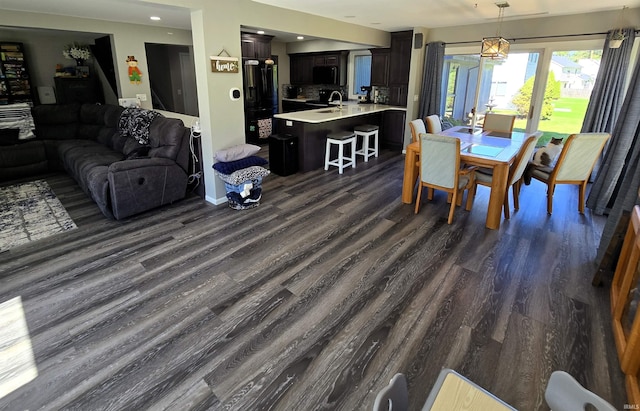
x=330, y=110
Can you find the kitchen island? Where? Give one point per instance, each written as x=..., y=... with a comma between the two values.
x=312, y=126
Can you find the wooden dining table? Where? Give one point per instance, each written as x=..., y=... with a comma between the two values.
x=486, y=149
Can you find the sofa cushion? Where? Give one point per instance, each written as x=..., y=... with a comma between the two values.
x=81, y=156
x=56, y=122
x=165, y=137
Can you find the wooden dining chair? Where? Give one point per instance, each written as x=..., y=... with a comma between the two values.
x=434, y=126
x=574, y=165
x=501, y=123
x=417, y=127
x=484, y=176
x=440, y=170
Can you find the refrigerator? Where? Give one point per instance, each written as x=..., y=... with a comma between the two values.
x=260, y=81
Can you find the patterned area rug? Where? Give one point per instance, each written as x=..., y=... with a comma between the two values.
x=29, y=212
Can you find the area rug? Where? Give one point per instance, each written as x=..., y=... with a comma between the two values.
x=29, y=212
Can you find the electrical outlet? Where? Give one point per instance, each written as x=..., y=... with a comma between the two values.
x=142, y=97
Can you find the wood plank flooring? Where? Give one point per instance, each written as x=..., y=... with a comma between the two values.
x=311, y=301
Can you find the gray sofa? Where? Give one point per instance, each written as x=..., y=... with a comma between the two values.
x=122, y=176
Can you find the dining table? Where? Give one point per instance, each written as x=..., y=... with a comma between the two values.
x=482, y=148
x=455, y=392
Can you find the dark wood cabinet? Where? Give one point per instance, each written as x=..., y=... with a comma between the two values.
x=255, y=46
x=301, y=69
x=380, y=67
x=78, y=90
x=398, y=94
x=301, y=66
x=393, y=123
x=400, y=58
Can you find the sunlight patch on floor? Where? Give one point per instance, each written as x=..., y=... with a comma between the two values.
x=17, y=364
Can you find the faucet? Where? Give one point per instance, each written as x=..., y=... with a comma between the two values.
x=339, y=94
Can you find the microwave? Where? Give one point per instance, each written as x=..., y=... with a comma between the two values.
x=325, y=75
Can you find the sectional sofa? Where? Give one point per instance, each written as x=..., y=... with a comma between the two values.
x=92, y=144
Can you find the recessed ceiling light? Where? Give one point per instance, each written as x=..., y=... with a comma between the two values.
x=170, y=33
x=155, y=18
x=349, y=17
x=260, y=31
x=300, y=37
x=375, y=24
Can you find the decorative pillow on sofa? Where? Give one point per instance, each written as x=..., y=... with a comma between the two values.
x=228, y=167
x=237, y=152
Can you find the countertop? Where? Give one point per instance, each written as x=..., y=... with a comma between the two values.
x=332, y=113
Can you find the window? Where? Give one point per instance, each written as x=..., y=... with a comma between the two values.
x=362, y=73
x=359, y=72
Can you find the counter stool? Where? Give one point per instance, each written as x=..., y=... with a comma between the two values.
x=366, y=131
x=340, y=138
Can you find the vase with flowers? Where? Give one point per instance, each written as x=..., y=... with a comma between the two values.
x=76, y=52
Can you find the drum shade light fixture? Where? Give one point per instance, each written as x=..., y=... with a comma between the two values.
x=496, y=48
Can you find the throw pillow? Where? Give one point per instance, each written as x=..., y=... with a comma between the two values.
x=228, y=167
x=237, y=152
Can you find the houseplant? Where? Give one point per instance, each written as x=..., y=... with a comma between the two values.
x=77, y=52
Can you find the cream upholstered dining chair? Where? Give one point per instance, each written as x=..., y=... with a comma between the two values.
x=394, y=396
x=440, y=170
x=485, y=177
x=434, y=126
x=574, y=165
x=501, y=123
x=417, y=127
x=564, y=393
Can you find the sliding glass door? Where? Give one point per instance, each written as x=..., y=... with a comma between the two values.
x=552, y=98
x=475, y=86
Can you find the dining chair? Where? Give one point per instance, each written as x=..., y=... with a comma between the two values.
x=484, y=176
x=564, y=393
x=440, y=170
x=501, y=123
x=434, y=126
x=574, y=165
x=417, y=127
x=394, y=396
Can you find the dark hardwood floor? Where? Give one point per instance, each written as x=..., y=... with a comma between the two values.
x=313, y=300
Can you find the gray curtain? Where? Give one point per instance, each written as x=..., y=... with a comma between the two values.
x=606, y=97
x=616, y=185
x=612, y=167
x=432, y=80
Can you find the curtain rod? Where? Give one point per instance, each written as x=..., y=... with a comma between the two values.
x=537, y=37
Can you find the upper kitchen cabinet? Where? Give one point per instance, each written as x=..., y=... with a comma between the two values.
x=255, y=46
x=301, y=69
x=380, y=67
x=400, y=60
x=301, y=66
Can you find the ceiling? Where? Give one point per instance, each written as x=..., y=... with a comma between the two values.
x=402, y=15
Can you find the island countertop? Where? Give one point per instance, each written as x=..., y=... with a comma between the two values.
x=332, y=113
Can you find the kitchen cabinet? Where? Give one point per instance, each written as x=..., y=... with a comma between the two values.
x=15, y=85
x=400, y=59
x=326, y=60
x=78, y=90
x=301, y=69
x=255, y=46
x=301, y=66
x=398, y=94
x=380, y=67
x=392, y=135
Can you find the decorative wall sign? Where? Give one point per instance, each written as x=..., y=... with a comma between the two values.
x=224, y=64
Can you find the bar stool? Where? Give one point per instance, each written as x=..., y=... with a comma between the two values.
x=340, y=138
x=366, y=131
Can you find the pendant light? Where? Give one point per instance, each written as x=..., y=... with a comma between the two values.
x=496, y=48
